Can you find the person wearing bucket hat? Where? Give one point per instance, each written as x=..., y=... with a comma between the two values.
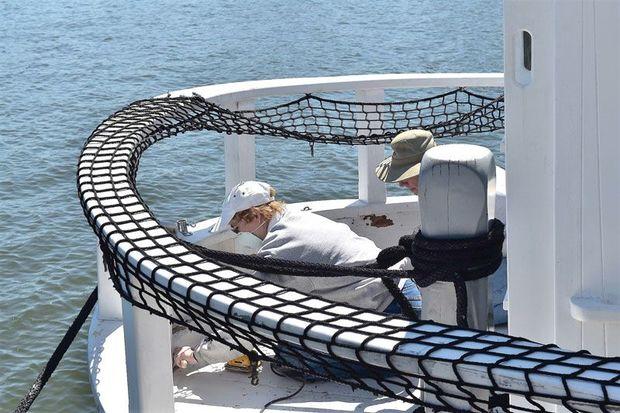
x=286, y=233
x=403, y=167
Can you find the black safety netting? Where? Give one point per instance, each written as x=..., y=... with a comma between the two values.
x=317, y=119
x=457, y=368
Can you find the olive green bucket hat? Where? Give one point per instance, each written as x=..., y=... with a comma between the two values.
x=408, y=149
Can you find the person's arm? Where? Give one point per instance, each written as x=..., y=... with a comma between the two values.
x=184, y=357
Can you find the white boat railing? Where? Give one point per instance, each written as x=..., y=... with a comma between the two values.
x=239, y=149
x=151, y=358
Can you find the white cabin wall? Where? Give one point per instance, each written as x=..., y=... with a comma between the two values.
x=567, y=154
x=592, y=284
x=563, y=188
x=607, y=33
x=587, y=172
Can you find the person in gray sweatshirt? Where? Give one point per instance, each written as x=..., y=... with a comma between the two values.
x=308, y=237
x=251, y=207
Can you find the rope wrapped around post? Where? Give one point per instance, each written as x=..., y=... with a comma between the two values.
x=454, y=260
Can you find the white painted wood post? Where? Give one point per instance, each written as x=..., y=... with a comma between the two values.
x=239, y=153
x=149, y=360
x=457, y=190
x=240, y=161
x=108, y=299
x=530, y=108
x=370, y=188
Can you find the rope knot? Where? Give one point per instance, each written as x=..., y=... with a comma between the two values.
x=391, y=255
x=457, y=261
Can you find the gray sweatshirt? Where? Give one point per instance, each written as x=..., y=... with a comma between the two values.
x=304, y=236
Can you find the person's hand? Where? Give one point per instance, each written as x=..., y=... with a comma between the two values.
x=184, y=356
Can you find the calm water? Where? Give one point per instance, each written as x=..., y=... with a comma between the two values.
x=64, y=68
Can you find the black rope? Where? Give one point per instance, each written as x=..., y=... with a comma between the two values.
x=471, y=258
x=405, y=306
x=61, y=349
x=385, y=259
x=433, y=259
x=452, y=260
x=292, y=267
x=457, y=261
x=290, y=396
x=460, y=289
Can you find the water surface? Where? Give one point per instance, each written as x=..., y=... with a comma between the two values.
x=65, y=67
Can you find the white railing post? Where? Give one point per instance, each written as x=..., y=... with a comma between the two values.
x=239, y=153
x=457, y=187
x=108, y=299
x=370, y=188
x=149, y=359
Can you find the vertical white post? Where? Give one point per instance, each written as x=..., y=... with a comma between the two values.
x=239, y=154
x=149, y=363
x=530, y=110
x=108, y=299
x=370, y=188
x=457, y=186
x=240, y=161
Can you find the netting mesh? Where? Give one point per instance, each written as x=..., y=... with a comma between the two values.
x=459, y=369
x=454, y=113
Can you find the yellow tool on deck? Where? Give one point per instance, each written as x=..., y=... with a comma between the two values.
x=241, y=364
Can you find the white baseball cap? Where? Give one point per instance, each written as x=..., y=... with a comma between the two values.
x=243, y=196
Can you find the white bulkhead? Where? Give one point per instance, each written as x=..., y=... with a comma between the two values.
x=562, y=149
